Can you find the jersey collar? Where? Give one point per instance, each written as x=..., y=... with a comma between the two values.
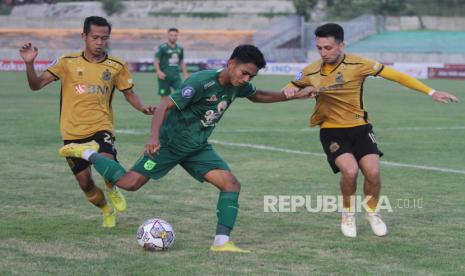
x=84, y=57
x=334, y=69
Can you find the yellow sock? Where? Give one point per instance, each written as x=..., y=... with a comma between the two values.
x=106, y=208
x=96, y=197
x=372, y=204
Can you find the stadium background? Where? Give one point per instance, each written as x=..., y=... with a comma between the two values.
x=48, y=228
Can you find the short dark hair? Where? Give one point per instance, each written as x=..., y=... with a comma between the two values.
x=330, y=29
x=173, y=30
x=247, y=53
x=96, y=21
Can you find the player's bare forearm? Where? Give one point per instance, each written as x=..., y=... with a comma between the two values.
x=285, y=95
x=267, y=97
x=153, y=145
x=32, y=78
x=184, y=70
x=133, y=99
x=37, y=82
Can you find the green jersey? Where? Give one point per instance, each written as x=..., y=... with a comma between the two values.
x=201, y=102
x=170, y=58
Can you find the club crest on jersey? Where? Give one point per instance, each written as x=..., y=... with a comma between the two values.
x=339, y=78
x=333, y=147
x=299, y=75
x=187, y=92
x=106, y=75
x=149, y=165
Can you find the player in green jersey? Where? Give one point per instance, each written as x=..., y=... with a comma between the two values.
x=192, y=113
x=168, y=63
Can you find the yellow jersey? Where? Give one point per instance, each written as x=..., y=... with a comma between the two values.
x=86, y=93
x=340, y=100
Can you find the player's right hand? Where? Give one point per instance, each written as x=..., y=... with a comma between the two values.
x=444, y=97
x=28, y=52
x=152, y=147
x=161, y=75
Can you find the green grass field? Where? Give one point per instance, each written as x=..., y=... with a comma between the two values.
x=48, y=227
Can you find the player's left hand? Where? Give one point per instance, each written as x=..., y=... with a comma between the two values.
x=152, y=147
x=148, y=110
x=444, y=97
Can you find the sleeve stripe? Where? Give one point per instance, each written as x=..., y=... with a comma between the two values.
x=174, y=102
x=126, y=89
x=379, y=71
x=294, y=83
x=56, y=77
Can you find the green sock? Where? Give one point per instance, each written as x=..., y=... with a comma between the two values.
x=109, y=169
x=226, y=211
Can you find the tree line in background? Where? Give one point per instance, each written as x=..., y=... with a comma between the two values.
x=319, y=9
x=348, y=9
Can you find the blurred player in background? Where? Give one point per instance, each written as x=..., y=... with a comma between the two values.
x=88, y=81
x=346, y=135
x=168, y=63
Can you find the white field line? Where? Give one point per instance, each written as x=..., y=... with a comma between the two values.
x=307, y=129
x=298, y=152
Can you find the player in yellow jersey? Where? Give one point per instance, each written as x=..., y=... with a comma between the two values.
x=345, y=132
x=88, y=81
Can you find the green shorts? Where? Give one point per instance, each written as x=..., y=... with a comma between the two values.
x=197, y=163
x=164, y=86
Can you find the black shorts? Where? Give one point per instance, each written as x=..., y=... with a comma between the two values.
x=105, y=139
x=359, y=141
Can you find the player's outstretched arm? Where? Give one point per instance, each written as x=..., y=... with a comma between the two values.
x=412, y=83
x=285, y=95
x=28, y=53
x=137, y=103
x=158, y=118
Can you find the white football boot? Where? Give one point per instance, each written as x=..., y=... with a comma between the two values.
x=348, y=226
x=377, y=224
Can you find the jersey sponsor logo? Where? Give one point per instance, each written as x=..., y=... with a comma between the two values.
x=149, y=165
x=299, y=76
x=212, y=116
x=80, y=89
x=187, y=92
x=333, y=147
x=213, y=98
x=208, y=84
x=106, y=75
x=91, y=89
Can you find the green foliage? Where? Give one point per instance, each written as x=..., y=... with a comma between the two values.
x=348, y=9
x=112, y=6
x=303, y=7
x=273, y=14
x=5, y=9
x=191, y=14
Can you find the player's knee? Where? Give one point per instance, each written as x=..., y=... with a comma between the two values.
x=350, y=172
x=232, y=186
x=372, y=175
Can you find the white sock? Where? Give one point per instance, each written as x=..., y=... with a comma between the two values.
x=87, y=153
x=220, y=240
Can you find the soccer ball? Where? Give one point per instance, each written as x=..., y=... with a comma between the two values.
x=155, y=235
